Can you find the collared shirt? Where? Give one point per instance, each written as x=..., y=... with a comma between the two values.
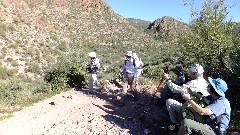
x=130, y=68
x=221, y=110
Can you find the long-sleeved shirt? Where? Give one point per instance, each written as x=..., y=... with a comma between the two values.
x=196, y=85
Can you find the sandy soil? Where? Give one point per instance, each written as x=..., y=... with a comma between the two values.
x=76, y=113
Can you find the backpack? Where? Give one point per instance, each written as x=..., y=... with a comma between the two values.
x=141, y=63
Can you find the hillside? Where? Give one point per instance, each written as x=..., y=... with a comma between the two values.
x=35, y=34
x=166, y=28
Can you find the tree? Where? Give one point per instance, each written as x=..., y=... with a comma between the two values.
x=214, y=42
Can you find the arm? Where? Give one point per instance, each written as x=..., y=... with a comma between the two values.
x=196, y=107
x=173, y=87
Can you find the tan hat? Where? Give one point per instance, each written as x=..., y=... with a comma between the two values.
x=92, y=54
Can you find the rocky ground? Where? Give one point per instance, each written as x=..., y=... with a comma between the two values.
x=76, y=113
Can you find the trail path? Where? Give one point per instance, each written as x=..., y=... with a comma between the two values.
x=77, y=113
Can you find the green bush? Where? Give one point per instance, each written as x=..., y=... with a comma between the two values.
x=7, y=73
x=22, y=91
x=9, y=91
x=2, y=30
x=33, y=68
x=66, y=74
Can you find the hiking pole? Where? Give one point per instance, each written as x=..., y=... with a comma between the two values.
x=159, y=85
x=147, y=109
x=155, y=92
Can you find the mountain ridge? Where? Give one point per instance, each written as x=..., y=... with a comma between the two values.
x=36, y=33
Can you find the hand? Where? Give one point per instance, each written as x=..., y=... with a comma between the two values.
x=186, y=96
x=165, y=76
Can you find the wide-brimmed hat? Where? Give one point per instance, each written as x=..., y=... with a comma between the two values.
x=92, y=54
x=219, y=85
x=129, y=53
x=197, y=69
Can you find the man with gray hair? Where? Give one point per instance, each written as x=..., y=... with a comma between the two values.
x=197, y=84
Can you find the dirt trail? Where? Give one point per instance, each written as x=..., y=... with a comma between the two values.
x=76, y=113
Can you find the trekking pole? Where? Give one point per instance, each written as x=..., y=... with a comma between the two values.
x=155, y=92
x=159, y=85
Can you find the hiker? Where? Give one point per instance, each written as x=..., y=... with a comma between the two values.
x=166, y=92
x=94, y=67
x=130, y=78
x=138, y=63
x=217, y=113
x=197, y=84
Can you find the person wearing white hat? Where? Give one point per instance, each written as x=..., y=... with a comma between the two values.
x=197, y=84
x=94, y=70
x=130, y=78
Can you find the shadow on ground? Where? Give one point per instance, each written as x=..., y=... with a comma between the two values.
x=136, y=116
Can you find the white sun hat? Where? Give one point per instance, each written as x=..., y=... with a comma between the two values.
x=197, y=69
x=92, y=54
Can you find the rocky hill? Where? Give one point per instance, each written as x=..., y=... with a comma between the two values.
x=166, y=27
x=34, y=34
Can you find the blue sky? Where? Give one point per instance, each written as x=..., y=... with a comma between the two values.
x=151, y=10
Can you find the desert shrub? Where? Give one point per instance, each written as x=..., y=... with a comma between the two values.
x=9, y=91
x=153, y=72
x=21, y=91
x=65, y=74
x=62, y=46
x=2, y=30
x=7, y=73
x=33, y=68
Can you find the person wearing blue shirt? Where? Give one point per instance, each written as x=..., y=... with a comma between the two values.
x=217, y=112
x=130, y=77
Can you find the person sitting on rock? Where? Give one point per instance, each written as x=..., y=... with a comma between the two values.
x=217, y=113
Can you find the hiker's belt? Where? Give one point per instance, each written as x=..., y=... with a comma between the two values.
x=130, y=73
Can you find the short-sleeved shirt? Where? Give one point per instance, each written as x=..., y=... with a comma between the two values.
x=130, y=68
x=221, y=109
